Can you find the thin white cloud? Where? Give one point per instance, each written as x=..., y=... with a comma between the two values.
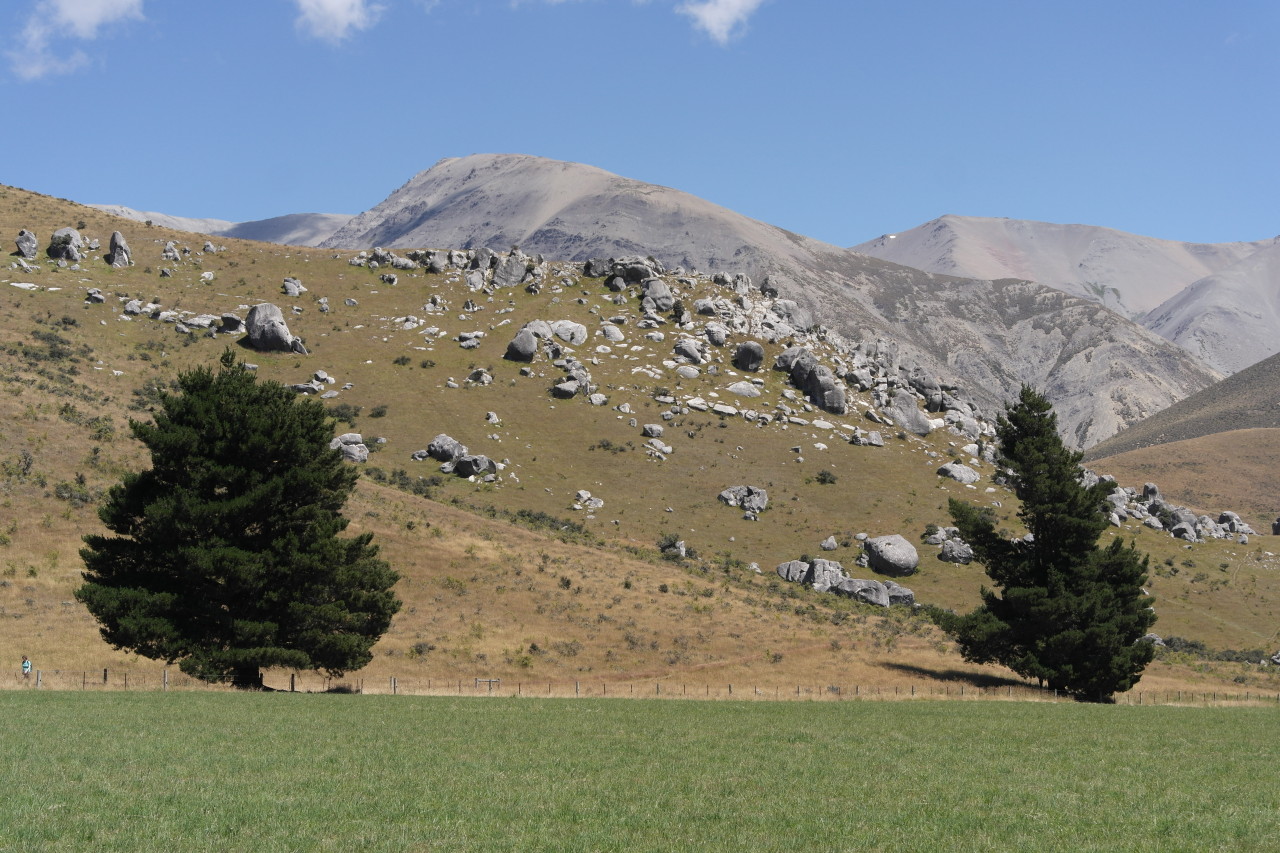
x=52, y=21
x=334, y=20
x=720, y=19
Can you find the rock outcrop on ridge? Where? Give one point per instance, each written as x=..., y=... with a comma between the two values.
x=1101, y=371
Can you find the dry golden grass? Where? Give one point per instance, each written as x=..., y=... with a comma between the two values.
x=484, y=597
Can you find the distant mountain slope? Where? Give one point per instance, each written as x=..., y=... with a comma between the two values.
x=988, y=337
x=294, y=229
x=566, y=211
x=164, y=220
x=1126, y=272
x=1249, y=399
x=1230, y=319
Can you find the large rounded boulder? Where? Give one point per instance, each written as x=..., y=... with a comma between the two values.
x=268, y=331
x=748, y=356
x=891, y=555
x=523, y=347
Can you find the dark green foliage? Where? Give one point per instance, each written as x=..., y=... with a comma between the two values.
x=345, y=413
x=825, y=477
x=226, y=555
x=423, y=487
x=1064, y=611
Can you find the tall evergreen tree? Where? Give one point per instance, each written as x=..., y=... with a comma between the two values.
x=1064, y=610
x=227, y=556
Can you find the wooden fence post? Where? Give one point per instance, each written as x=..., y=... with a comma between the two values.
x=165, y=680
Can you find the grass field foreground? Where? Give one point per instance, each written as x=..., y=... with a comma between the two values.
x=206, y=771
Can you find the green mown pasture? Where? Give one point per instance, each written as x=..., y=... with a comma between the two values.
x=227, y=772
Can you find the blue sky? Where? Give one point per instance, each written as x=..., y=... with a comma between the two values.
x=839, y=119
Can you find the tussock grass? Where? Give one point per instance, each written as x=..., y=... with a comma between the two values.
x=480, y=593
x=200, y=771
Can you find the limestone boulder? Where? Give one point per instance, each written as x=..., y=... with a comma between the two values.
x=795, y=571
x=570, y=332
x=523, y=347
x=511, y=271
x=744, y=389
x=658, y=290
x=960, y=473
x=748, y=498
x=690, y=349
x=352, y=446
x=118, y=256
x=268, y=331
x=66, y=244
x=825, y=390
x=28, y=244
x=899, y=594
x=956, y=551
x=445, y=448
x=748, y=356
x=826, y=575
x=474, y=464
x=906, y=414
x=870, y=591
x=891, y=555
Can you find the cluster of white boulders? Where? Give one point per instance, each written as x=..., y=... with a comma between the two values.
x=1151, y=510
x=952, y=548
x=886, y=555
x=830, y=576
x=455, y=458
x=352, y=446
x=752, y=500
x=822, y=367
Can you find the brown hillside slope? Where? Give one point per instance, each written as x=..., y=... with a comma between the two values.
x=479, y=596
x=1232, y=470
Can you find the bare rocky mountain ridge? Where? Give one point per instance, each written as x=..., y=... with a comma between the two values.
x=986, y=333
x=1102, y=371
x=294, y=229
x=1217, y=300
x=1248, y=400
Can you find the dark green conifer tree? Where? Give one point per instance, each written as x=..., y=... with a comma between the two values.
x=227, y=556
x=1064, y=610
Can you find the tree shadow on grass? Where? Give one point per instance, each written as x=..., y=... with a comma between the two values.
x=976, y=679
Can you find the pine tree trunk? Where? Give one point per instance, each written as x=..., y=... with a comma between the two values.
x=247, y=678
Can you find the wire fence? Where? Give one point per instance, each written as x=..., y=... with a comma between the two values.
x=171, y=679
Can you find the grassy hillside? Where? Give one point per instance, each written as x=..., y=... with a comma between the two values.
x=564, y=591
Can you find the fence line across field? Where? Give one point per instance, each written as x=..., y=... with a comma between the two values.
x=168, y=678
